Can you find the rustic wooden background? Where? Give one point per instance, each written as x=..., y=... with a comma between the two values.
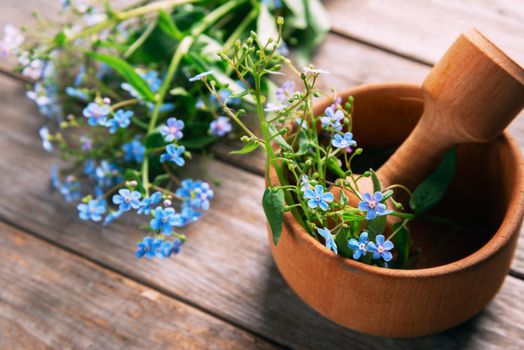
x=68, y=284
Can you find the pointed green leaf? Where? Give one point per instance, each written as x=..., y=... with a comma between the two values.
x=377, y=185
x=248, y=148
x=166, y=23
x=273, y=204
x=433, y=188
x=126, y=71
x=275, y=135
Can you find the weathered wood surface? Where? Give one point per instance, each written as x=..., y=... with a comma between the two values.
x=225, y=268
x=423, y=30
x=53, y=299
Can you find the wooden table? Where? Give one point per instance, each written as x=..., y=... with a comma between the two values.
x=68, y=284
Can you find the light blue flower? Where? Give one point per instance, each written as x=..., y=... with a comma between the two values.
x=286, y=91
x=46, y=137
x=97, y=113
x=371, y=204
x=359, y=247
x=148, y=247
x=220, y=126
x=112, y=217
x=121, y=119
x=134, y=151
x=189, y=215
x=70, y=188
x=77, y=93
x=318, y=197
x=274, y=107
x=146, y=205
x=329, y=240
x=381, y=249
x=332, y=119
x=152, y=80
x=304, y=183
x=86, y=143
x=93, y=210
x=174, y=154
x=164, y=220
x=168, y=248
x=200, y=76
x=126, y=199
x=172, y=129
x=196, y=194
x=106, y=174
x=345, y=141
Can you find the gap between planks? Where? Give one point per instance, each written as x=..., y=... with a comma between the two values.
x=49, y=265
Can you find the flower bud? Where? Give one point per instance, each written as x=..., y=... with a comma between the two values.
x=167, y=203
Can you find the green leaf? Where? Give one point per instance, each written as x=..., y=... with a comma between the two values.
x=377, y=185
x=60, y=38
x=317, y=27
x=341, y=240
x=343, y=198
x=433, y=188
x=266, y=25
x=179, y=91
x=166, y=23
x=248, y=148
x=275, y=135
x=197, y=142
x=273, y=204
x=376, y=226
x=298, y=18
x=154, y=140
x=126, y=71
x=401, y=243
x=334, y=166
x=160, y=179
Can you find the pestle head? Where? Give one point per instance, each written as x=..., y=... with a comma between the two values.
x=474, y=91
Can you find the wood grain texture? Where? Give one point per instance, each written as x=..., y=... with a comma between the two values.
x=423, y=30
x=225, y=267
x=53, y=299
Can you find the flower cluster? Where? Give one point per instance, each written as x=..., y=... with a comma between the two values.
x=313, y=160
x=123, y=108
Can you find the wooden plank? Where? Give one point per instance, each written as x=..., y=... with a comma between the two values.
x=423, y=30
x=54, y=299
x=225, y=267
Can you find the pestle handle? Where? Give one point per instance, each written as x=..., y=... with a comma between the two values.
x=470, y=95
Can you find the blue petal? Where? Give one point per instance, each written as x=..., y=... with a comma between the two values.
x=387, y=256
x=379, y=196
x=380, y=239
x=363, y=237
x=371, y=247
x=328, y=197
x=312, y=203
x=372, y=214
x=353, y=244
x=388, y=245
x=357, y=254
x=367, y=197
x=323, y=205
x=309, y=194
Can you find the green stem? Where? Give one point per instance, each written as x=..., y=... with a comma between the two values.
x=181, y=51
x=141, y=39
x=240, y=29
x=122, y=16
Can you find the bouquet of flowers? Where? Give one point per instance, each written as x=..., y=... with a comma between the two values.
x=312, y=155
x=117, y=90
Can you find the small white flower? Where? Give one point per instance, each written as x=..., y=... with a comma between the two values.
x=310, y=70
x=274, y=107
x=200, y=76
x=11, y=41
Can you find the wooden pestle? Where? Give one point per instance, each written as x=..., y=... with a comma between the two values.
x=470, y=95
